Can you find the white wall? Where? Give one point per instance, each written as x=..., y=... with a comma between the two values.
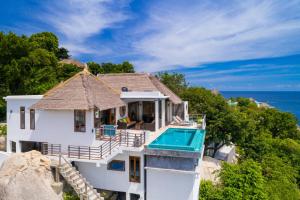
x=56, y=127
x=173, y=185
x=102, y=178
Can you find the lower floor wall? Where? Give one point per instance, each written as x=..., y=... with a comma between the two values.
x=173, y=185
x=104, y=179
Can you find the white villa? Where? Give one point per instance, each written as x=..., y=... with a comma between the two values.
x=126, y=135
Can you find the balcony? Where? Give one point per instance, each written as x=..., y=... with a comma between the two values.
x=109, y=144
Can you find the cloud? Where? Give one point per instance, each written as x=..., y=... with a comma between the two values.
x=198, y=32
x=78, y=20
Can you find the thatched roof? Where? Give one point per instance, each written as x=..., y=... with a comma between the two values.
x=138, y=82
x=165, y=90
x=82, y=91
x=73, y=62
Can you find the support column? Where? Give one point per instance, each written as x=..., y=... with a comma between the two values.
x=117, y=113
x=156, y=115
x=163, y=113
x=140, y=110
x=171, y=111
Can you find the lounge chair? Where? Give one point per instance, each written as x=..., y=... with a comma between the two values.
x=179, y=122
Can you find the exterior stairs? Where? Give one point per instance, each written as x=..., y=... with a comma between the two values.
x=81, y=186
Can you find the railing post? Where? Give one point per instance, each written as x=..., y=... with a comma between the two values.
x=79, y=152
x=141, y=140
x=89, y=153
x=144, y=137
x=127, y=138
x=101, y=151
x=68, y=151
x=85, y=189
x=120, y=139
x=135, y=141
x=109, y=145
x=51, y=149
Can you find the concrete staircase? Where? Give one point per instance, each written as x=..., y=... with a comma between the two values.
x=83, y=188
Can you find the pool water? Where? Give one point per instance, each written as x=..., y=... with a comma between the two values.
x=179, y=139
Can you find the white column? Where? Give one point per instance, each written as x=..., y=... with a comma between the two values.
x=163, y=113
x=117, y=114
x=156, y=115
x=140, y=110
x=186, y=110
x=171, y=111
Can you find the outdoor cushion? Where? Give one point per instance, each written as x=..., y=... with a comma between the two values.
x=109, y=130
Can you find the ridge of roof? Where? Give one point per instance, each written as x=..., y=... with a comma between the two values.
x=124, y=74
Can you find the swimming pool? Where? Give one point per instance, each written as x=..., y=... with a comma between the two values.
x=182, y=139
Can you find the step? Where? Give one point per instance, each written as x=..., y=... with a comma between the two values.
x=66, y=170
x=92, y=196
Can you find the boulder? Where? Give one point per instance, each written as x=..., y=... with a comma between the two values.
x=26, y=176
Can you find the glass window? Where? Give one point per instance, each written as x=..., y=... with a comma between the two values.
x=79, y=120
x=22, y=117
x=13, y=146
x=117, y=165
x=32, y=119
x=134, y=169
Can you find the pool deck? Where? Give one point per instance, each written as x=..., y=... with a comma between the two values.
x=173, y=153
x=157, y=133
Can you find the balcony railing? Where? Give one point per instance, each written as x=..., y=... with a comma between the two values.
x=123, y=138
x=200, y=119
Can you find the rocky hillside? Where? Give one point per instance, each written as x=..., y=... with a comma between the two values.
x=26, y=176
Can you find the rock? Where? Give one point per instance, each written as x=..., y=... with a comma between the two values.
x=26, y=176
x=2, y=143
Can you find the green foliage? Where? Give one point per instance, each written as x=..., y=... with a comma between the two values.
x=3, y=130
x=237, y=182
x=29, y=65
x=62, y=53
x=176, y=82
x=70, y=196
x=105, y=68
x=208, y=191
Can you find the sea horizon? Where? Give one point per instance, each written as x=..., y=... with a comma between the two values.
x=278, y=99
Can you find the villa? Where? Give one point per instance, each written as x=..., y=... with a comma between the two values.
x=126, y=135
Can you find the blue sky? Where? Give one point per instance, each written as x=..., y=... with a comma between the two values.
x=227, y=45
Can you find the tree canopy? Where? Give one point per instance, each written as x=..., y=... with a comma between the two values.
x=29, y=65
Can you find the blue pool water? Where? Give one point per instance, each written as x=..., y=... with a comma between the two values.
x=179, y=139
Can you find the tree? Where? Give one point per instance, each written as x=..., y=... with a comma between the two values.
x=175, y=81
x=106, y=68
x=44, y=40
x=242, y=181
x=62, y=53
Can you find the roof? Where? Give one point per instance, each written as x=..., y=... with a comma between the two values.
x=73, y=62
x=83, y=91
x=138, y=82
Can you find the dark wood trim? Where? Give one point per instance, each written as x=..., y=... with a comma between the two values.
x=79, y=129
x=135, y=178
x=22, y=117
x=32, y=119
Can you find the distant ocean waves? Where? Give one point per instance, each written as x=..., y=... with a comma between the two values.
x=286, y=101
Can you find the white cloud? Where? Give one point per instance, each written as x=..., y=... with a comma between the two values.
x=78, y=20
x=202, y=32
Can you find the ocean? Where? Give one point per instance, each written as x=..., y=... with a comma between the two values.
x=287, y=101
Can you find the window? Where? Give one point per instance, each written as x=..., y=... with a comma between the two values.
x=13, y=146
x=134, y=169
x=22, y=117
x=117, y=165
x=32, y=119
x=79, y=120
